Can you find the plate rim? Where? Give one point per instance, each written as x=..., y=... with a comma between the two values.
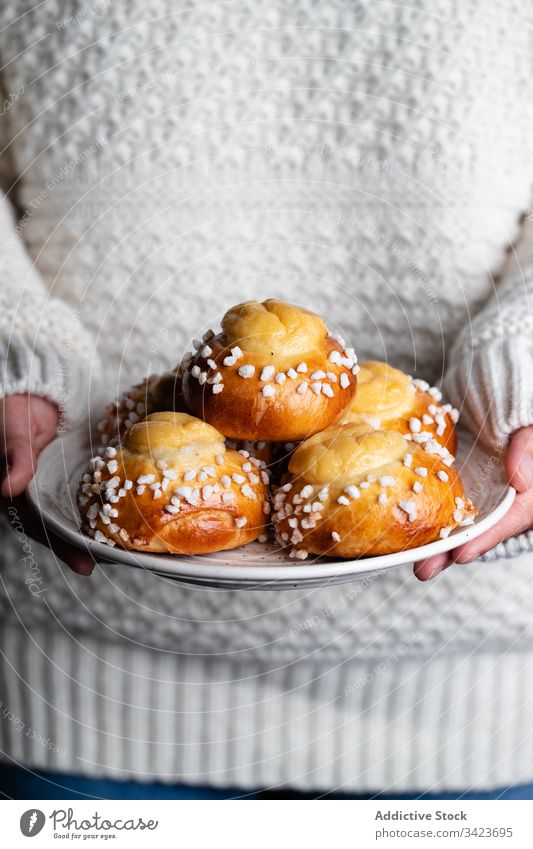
x=179, y=566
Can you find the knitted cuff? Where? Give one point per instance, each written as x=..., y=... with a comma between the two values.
x=510, y=548
x=491, y=386
x=46, y=370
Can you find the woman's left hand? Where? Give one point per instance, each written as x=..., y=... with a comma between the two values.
x=519, y=470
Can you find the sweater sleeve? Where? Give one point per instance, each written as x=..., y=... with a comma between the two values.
x=490, y=378
x=44, y=349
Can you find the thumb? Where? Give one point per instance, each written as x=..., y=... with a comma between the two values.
x=519, y=460
x=20, y=456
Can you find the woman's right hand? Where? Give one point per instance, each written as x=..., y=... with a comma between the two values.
x=27, y=424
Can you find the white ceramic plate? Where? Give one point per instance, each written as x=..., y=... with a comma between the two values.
x=52, y=493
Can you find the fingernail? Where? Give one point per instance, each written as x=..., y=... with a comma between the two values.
x=435, y=571
x=438, y=570
x=463, y=559
x=84, y=569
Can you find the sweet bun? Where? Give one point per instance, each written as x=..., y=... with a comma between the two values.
x=353, y=491
x=173, y=486
x=275, y=455
x=273, y=374
x=388, y=399
x=155, y=394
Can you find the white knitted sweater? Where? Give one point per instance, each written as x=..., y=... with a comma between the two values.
x=367, y=159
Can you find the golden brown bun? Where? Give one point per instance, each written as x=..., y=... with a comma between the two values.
x=275, y=455
x=388, y=399
x=175, y=487
x=273, y=374
x=264, y=451
x=394, y=495
x=155, y=394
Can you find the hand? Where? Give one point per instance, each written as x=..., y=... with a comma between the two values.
x=27, y=424
x=519, y=470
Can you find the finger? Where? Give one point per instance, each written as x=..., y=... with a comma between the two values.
x=79, y=561
x=427, y=569
x=519, y=460
x=518, y=519
x=75, y=558
x=20, y=460
x=27, y=424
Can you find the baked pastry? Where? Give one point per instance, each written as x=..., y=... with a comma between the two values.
x=353, y=491
x=388, y=399
x=275, y=455
x=265, y=451
x=173, y=486
x=155, y=394
x=160, y=393
x=273, y=374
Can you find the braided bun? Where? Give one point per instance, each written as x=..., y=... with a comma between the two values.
x=273, y=374
x=173, y=486
x=353, y=491
x=388, y=399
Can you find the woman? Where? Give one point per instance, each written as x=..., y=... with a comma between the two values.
x=369, y=161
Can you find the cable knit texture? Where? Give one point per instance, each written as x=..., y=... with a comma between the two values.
x=368, y=160
x=490, y=379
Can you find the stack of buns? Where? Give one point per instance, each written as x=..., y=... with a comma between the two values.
x=363, y=456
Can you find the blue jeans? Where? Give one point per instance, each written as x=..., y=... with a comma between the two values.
x=19, y=783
